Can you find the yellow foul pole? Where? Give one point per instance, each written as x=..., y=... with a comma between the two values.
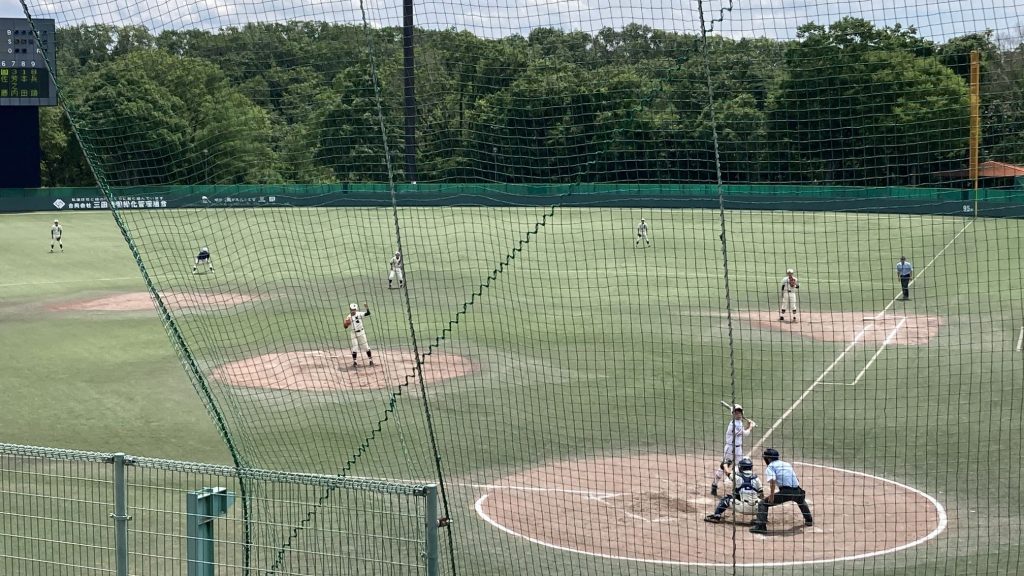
x=975, y=121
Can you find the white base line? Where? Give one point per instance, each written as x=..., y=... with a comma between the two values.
x=1020, y=340
x=860, y=334
x=878, y=352
x=810, y=389
x=926, y=267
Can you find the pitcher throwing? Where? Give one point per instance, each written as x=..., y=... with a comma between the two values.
x=357, y=334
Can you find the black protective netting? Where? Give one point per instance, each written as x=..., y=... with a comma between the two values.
x=595, y=207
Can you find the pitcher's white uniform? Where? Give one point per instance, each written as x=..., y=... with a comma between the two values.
x=787, y=295
x=396, y=270
x=357, y=333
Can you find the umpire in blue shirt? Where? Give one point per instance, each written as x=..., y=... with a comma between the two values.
x=905, y=270
x=783, y=486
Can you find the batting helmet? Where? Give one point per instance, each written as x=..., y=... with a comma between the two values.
x=770, y=455
x=353, y=306
x=746, y=465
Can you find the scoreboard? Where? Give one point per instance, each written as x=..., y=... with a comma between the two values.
x=24, y=76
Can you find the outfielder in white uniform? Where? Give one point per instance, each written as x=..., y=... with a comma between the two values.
x=747, y=492
x=787, y=295
x=396, y=270
x=641, y=234
x=55, y=234
x=734, y=435
x=357, y=333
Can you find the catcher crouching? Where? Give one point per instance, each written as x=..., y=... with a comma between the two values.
x=746, y=493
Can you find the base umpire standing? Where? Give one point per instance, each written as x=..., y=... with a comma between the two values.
x=905, y=270
x=783, y=486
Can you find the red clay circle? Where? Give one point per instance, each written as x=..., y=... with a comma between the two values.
x=138, y=301
x=865, y=327
x=333, y=370
x=651, y=508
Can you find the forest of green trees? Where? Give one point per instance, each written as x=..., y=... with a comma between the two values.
x=849, y=104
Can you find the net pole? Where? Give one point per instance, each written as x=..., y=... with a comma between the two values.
x=975, y=122
x=409, y=87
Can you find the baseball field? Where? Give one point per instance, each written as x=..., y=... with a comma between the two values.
x=569, y=397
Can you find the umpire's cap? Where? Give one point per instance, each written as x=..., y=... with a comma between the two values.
x=770, y=455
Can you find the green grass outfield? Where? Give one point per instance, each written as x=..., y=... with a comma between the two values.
x=585, y=345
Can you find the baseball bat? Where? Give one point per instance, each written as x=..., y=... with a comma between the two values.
x=729, y=406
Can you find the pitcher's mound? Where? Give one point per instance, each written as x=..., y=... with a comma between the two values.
x=138, y=301
x=333, y=370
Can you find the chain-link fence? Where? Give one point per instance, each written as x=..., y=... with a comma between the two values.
x=64, y=511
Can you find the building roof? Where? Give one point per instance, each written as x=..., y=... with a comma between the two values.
x=993, y=169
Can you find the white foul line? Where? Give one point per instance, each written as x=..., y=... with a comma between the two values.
x=859, y=335
x=879, y=351
x=1020, y=340
x=926, y=267
x=809, y=389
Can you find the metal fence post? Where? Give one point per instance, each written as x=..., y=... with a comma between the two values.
x=120, y=515
x=202, y=507
x=430, y=525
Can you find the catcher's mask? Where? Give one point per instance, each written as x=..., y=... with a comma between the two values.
x=746, y=465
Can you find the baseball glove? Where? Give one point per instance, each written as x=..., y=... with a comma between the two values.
x=347, y=322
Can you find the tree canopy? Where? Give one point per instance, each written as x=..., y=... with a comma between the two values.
x=311, y=102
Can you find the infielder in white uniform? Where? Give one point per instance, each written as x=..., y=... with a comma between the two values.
x=747, y=492
x=734, y=434
x=357, y=334
x=396, y=270
x=55, y=233
x=641, y=234
x=787, y=295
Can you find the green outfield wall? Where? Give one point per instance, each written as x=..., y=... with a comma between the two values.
x=990, y=202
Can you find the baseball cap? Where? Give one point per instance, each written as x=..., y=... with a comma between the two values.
x=789, y=270
x=353, y=306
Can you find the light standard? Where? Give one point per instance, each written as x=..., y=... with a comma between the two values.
x=494, y=163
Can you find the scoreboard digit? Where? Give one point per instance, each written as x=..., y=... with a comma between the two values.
x=24, y=76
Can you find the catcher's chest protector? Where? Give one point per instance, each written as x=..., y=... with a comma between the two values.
x=747, y=486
